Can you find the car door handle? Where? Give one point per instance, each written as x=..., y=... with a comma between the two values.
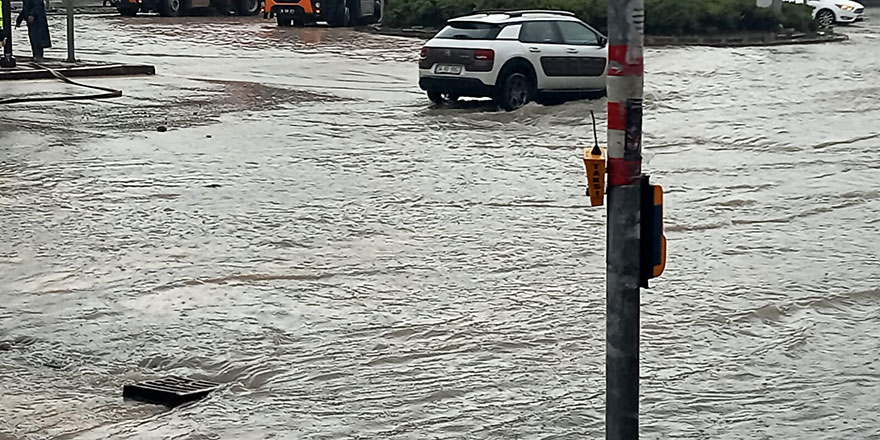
x=534, y=49
x=571, y=51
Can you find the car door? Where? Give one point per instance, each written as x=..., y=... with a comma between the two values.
x=586, y=56
x=543, y=47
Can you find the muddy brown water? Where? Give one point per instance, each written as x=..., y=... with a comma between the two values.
x=352, y=263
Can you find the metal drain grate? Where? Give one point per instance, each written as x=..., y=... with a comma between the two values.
x=169, y=391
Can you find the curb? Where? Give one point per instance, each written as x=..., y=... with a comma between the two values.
x=25, y=71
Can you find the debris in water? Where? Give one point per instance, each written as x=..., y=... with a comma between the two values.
x=212, y=185
x=208, y=136
x=53, y=365
x=5, y=346
x=161, y=129
x=170, y=391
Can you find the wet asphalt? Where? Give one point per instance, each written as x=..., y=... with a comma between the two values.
x=352, y=262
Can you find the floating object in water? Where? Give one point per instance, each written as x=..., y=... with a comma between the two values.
x=169, y=391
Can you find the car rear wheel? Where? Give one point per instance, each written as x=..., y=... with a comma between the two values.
x=825, y=18
x=247, y=7
x=170, y=8
x=441, y=98
x=516, y=91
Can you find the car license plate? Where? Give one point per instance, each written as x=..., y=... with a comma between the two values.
x=447, y=69
x=287, y=11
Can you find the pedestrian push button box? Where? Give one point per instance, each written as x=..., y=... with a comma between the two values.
x=653, y=239
x=594, y=162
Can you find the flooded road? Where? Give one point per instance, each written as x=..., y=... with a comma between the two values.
x=350, y=262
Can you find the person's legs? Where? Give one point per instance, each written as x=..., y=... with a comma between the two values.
x=38, y=53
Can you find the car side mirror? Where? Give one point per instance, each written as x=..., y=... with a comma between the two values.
x=603, y=41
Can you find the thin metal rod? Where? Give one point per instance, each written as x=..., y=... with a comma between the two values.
x=595, y=132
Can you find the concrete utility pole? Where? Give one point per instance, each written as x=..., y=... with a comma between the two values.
x=626, y=20
x=71, y=47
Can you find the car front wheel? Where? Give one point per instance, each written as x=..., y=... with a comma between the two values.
x=825, y=18
x=516, y=91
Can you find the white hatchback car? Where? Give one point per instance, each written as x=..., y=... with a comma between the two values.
x=829, y=12
x=514, y=57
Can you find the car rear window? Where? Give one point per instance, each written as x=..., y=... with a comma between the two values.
x=465, y=30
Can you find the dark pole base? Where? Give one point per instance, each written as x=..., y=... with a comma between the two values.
x=7, y=62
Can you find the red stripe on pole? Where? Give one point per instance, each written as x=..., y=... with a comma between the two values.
x=616, y=116
x=623, y=172
x=620, y=64
x=617, y=52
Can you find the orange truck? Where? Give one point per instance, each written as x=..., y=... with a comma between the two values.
x=334, y=12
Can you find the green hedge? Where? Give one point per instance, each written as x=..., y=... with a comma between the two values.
x=664, y=17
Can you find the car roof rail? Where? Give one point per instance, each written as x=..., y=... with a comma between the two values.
x=519, y=13
x=488, y=11
x=480, y=12
x=540, y=11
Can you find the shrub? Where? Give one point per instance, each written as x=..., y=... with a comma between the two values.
x=434, y=13
x=671, y=17
x=664, y=17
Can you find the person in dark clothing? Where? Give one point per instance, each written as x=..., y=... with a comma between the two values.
x=38, y=26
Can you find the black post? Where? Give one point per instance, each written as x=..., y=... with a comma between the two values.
x=7, y=60
x=71, y=50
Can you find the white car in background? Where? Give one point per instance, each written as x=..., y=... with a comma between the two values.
x=829, y=12
x=514, y=57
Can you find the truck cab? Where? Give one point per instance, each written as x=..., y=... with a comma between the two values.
x=334, y=12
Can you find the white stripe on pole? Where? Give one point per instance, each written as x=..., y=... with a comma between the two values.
x=624, y=88
x=616, y=141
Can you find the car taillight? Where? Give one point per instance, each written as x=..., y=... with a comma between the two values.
x=424, y=52
x=484, y=54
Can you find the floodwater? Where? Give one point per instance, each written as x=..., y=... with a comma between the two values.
x=350, y=262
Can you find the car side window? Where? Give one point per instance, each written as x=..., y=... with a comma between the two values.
x=540, y=32
x=577, y=34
